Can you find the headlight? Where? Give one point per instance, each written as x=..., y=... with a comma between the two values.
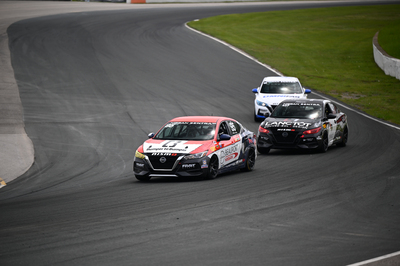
x=195, y=156
x=139, y=155
x=261, y=103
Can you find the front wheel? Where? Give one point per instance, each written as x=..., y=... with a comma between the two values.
x=323, y=147
x=212, y=168
x=250, y=161
x=345, y=136
x=256, y=119
x=263, y=150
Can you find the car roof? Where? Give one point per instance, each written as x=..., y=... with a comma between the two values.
x=280, y=79
x=209, y=119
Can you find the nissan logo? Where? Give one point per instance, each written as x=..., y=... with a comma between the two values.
x=163, y=160
x=285, y=134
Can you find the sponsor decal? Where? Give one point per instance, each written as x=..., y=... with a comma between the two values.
x=230, y=153
x=188, y=123
x=204, y=164
x=287, y=124
x=232, y=126
x=188, y=165
x=163, y=154
x=230, y=157
x=230, y=149
x=170, y=146
x=342, y=118
x=217, y=147
x=281, y=96
x=301, y=104
x=279, y=82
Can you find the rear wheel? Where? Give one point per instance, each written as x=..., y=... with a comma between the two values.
x=345, y=136
x=212, y=168
x=250, y=161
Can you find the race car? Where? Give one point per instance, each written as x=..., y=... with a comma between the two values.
x=272, y=91
x=305, y=124
x=196, y=146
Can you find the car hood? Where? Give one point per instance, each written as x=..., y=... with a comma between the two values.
x=275, y=99
x=290, y=123
x=175, y=146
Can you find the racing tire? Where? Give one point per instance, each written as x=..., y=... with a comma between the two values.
x=212, y=168
x=263, y=150
x=250, y=161
x=256, y=119
x=323, y=147
x=142, y=177
x=345, y=136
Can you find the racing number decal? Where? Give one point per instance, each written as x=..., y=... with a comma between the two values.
x=172, y=142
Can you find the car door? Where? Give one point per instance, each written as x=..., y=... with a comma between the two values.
x=229, y=149
x=340, y=121
x=332, y=125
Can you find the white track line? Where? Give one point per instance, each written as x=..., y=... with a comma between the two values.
x=376, y=259
x=280, y=74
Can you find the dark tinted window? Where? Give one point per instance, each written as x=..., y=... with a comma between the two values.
x=333, y=108
x=234, y=127
x=281, y=88
x=187, y=131
x=298, y=110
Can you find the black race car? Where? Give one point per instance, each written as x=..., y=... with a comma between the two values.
x=305, y=124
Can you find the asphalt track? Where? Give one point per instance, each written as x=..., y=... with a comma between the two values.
x=93, y=84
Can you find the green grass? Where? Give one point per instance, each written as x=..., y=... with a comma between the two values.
x=328, y=49
x=389, y=39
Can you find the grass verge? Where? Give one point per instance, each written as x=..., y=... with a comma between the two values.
x=328, y=49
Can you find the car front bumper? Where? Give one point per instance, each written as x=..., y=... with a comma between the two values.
x=270, y=141
x=181, y=168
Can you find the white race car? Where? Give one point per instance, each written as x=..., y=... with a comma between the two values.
x=274, y=90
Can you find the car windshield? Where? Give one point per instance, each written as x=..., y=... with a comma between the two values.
x=281, y=88
x=187, y=131
x=298, y=110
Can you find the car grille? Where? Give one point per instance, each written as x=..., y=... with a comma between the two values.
x=284, y=137
x=167, y=165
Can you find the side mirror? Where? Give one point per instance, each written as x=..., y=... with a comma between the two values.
x=224, y=137
x=331, y=116
x=255, y=90
x=151, y=135
x=307, y=91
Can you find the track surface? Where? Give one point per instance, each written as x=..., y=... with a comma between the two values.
x=94, y=84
